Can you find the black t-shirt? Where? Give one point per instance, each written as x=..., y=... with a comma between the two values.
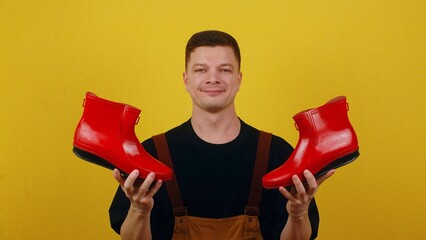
x=214, y=181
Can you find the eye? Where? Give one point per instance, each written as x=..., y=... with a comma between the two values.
x=226, y=70
x=200, y=70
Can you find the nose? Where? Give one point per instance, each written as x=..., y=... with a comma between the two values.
x=213, y=78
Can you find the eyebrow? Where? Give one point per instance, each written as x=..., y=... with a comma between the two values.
x=205, y=65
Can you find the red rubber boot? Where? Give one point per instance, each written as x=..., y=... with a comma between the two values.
x=105, y=136
x=326, y=141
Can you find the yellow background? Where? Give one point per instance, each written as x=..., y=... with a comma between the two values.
x=296, y=54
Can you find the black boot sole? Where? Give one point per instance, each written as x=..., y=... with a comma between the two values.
x=92, y=158
x=340, y=162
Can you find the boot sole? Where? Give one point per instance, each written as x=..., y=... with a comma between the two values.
x=92, y=158
x=340, y=162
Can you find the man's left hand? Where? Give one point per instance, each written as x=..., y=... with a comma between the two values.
x=300, y=195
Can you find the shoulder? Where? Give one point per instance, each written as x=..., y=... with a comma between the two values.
x=280, y=143
x=280, y=149
x=172, y=135
x=277, y=142
x=279, y=152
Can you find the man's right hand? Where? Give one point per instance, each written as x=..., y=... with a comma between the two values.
x=139, y=192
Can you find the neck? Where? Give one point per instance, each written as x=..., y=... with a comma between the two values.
x=216, y=127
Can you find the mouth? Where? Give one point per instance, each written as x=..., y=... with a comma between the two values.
x=213, y=91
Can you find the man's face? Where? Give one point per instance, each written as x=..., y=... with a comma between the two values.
x=212, y=78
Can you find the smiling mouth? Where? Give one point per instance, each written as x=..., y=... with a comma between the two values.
x=212, y=91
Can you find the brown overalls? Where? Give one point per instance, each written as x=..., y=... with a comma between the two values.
x=240, y=227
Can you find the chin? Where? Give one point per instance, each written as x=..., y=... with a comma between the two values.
x=212, y=109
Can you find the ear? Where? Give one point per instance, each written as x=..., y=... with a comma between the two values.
x=185, y=80
x=240, y=79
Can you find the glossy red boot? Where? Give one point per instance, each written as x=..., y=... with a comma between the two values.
x=327, y=141
x=105, y=136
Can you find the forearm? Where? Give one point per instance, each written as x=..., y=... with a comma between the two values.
x=136, y=226
x=297, y=228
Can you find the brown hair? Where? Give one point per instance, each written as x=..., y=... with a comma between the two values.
x=212, y=38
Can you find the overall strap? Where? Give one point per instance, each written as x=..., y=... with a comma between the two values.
x=262, y=157
x=163, y=154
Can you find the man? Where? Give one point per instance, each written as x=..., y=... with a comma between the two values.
x=213, y=158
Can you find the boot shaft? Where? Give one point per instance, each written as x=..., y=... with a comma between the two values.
x=327, y=141
x=103, y=118
x=326, y=121
x=105, y=136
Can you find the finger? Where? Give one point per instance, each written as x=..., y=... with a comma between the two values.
x=147, y=182
x=155, y=188
x=130, y=181
x=300, y=188
x=117, y=175
x=310, y=179
x=321, y=179
x=286, y=194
